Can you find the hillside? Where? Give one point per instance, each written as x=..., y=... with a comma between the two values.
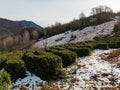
x=73, y=66
x=88, y=33
x=8, y=27
x=14, y=35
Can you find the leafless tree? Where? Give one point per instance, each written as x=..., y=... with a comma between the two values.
x=100, y=9
x=45, y=42
x=108, y=9
x=93, y=11
x=82, y=15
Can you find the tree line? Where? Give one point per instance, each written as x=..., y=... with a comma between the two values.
x=98, y=15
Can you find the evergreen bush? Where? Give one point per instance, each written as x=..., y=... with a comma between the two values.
x=16, y=68
x=5, y=81
x=47, y=66
x=112, y=45
x=68, y=57
x=103, y=46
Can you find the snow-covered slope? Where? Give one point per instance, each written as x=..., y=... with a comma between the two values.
x=85, y=34
x=91, y=72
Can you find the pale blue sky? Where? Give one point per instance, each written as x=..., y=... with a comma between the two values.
x=47, y=12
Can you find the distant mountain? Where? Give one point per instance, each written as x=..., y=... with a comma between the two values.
x=17, y=35
x=8, y=27
x=28, y=24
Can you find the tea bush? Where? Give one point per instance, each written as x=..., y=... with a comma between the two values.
x=2, y=61
x=5, y=81
x=16, y=68
x=118, y=44
x=103, y=46
x=47, y=66
x=112, y=45
x=68, y=57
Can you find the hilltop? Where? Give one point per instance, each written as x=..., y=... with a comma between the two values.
x=29, y=24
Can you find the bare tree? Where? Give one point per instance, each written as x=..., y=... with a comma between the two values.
x=108, y=9
x=118, y=13
x=93, y=11
x=45, y=42
x=82, y=15
x=100, y=9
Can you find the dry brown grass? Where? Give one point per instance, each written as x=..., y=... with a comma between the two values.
x=112, y=56
x=95, y=77
x=105, y=74
x=103, y=88
x=109, y=88
x=23, y=88
x=118, y=64
x=51, y=86
x=74, y=80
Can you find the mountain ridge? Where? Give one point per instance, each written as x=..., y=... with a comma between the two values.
x=8, y=27
x=29, y=24
x=13, y=35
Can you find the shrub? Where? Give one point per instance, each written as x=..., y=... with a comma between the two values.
x=81, y=51
x=47, y=66
x=89, y=46
x=16, y=68
x=4, y=81
x=38, y=52
x=2, y=61
x=58, y=48
x=117, y=28
x=74, y=49
x=18, y=53
x=112, y=45
x=71, y=48
x=68, y=57
x=103, y=46
x=84, y=52
x=33, y=50
x=118, y=44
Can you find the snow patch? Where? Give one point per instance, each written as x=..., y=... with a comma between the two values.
x=2, y=70
x=94, y=72
x=31, y=82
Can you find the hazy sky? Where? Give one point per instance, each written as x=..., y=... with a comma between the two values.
x=47, y=12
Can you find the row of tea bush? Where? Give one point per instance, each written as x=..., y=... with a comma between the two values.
x=48, y=63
